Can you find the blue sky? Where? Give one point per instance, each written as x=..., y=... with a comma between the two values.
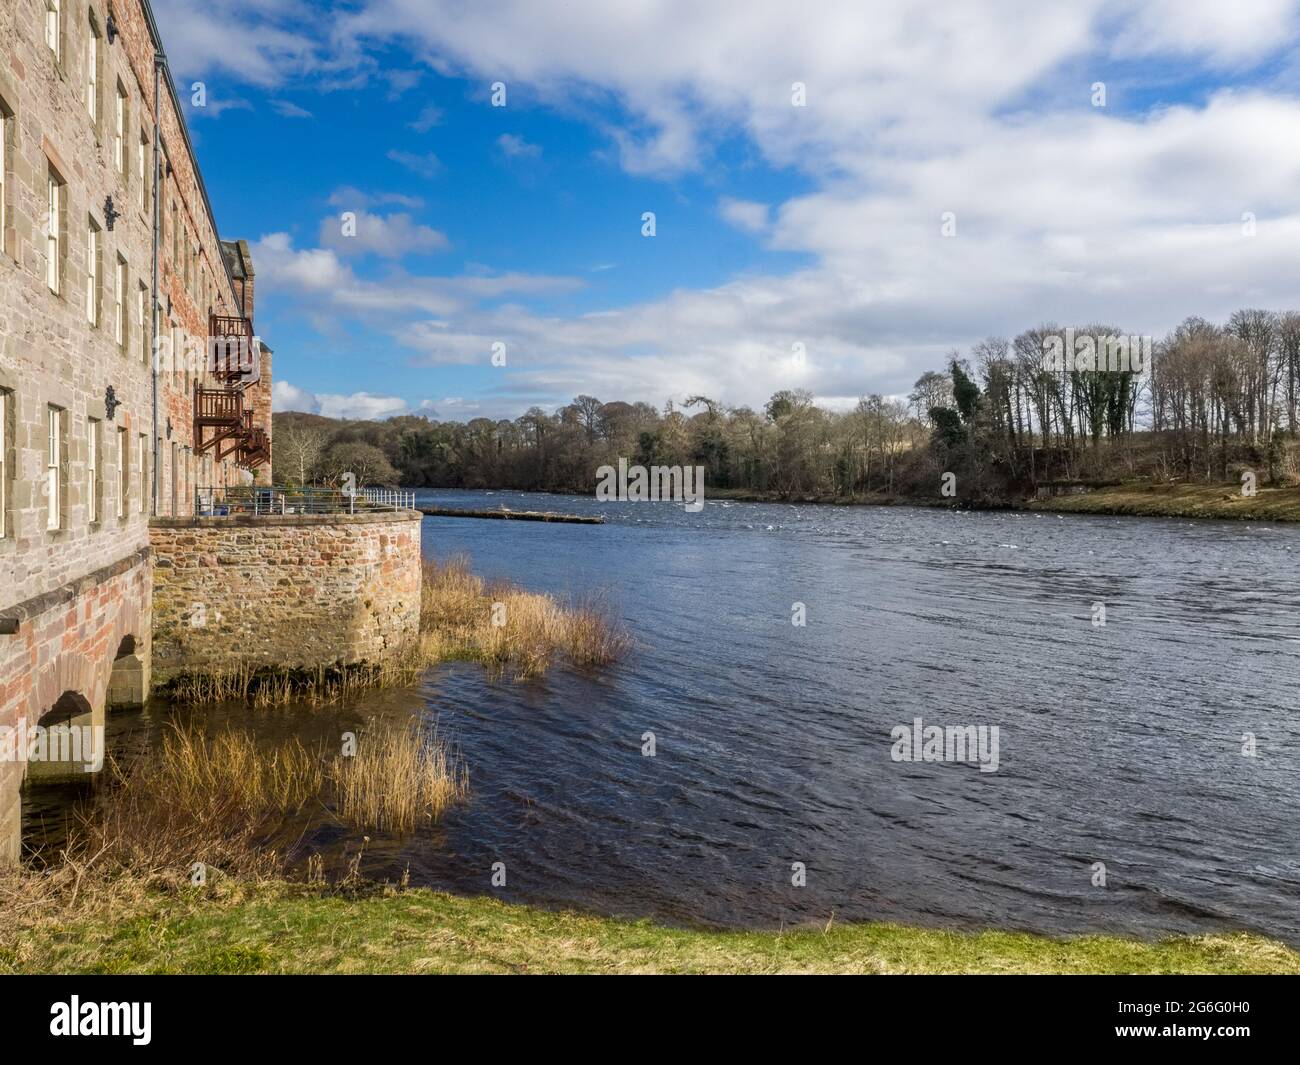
x=776, y=225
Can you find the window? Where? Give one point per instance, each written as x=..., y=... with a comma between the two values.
x=176, y=476
x=142, y=168
x=119, y=130
x=119, y=304
x=175, y=238
x=141, y=303
x=92, y=470
x=92, y=273
x=141, y=449
x=92, y=72
x=6, y=124
x=53, y=468
x=123, y=471
x=5, y=402
x=53, y=235
x=52, y=36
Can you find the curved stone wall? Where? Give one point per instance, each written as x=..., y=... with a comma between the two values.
x=292, y=591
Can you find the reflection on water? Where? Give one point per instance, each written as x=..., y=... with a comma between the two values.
x=1118, y=744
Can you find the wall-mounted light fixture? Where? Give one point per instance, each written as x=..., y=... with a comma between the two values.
x=111, y=213
x=111, y=402
x=110, y=28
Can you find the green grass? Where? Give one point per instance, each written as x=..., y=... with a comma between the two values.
x=284, y=928
x=1181, y=501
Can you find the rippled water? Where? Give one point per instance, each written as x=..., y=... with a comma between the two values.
x=1119, y=744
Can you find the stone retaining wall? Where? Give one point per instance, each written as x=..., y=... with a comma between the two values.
x=283, y=591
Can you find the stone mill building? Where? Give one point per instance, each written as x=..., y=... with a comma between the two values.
x=130, y=373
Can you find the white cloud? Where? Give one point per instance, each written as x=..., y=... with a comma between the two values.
x=1063, y=211
x=425, y=164
x=390, y=236
x=428, y=117
x=355, y=405
x=285, y=396
x=515, y=147
x=289, y=109
x=352, y=199
x=744, y=214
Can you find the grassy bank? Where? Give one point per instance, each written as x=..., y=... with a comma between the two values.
x=1181, y=501
x=1138, y=499
x=275, y=927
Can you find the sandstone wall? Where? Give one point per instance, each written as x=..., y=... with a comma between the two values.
x=295, y=591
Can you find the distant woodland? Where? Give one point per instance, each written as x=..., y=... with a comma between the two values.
x=1217, y=399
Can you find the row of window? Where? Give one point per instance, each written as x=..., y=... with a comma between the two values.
x=132, y=467
x=189, y=262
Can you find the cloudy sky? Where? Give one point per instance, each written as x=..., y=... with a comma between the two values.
x=868, y=184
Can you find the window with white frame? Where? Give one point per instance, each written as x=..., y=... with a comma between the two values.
x=52, y=35
x=53, y=468
x=119, y=130
x=119, y=303
x=92, y=71
x=142, y=170
x=92, y=272
x=92, y=470
x=123, y=470
x=53, y=234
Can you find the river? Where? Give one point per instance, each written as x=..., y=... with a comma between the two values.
x=1118, y=743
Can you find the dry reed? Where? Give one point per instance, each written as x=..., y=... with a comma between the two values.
x=507, y=628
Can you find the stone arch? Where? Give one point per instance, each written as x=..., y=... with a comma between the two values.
x=127, y=680
x=67, y=740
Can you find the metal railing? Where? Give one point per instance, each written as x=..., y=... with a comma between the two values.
x=389, y=498
x=280, y=499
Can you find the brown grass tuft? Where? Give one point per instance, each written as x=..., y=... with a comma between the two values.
x=507, y=628
x=396, y=779
x=239, y=807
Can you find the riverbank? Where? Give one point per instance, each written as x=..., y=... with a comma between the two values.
x=1136, y=499
x=1215, y=501
x=278, y=927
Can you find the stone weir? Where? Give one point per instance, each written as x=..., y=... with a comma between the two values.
x=283, y=591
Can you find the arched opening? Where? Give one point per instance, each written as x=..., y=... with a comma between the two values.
x=126, y=682
x=65, y=742
x=64, y=748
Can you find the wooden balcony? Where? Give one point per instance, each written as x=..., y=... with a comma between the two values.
x=220, y=410
x=255, y=448
x=231, y=355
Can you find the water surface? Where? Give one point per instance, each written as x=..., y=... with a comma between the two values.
x=1119, y=744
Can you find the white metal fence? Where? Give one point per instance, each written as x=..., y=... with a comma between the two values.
x=280, y=499
x=389, y=498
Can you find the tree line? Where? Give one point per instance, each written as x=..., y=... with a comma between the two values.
x=1208, y=398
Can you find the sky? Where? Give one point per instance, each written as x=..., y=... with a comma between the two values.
x=841, y=192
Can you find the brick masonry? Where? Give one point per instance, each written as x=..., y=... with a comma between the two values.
x=68, y=641
x=283, y=591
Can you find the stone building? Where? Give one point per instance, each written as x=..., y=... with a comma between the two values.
x=130, y=374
